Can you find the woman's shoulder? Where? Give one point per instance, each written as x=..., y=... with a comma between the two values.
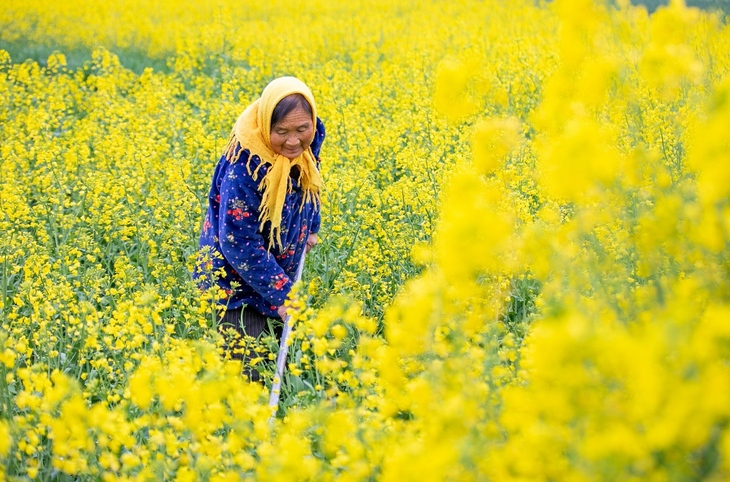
x=241, y=158
x=243, y=169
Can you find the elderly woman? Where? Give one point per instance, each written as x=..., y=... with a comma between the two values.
x=263, y=206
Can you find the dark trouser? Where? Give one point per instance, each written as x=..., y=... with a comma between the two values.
x=235, y=325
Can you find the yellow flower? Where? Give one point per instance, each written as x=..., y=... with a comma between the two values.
x=494, y=139
x=452, y=96
x=6, y=438
x=141, y=386
x=7, y=358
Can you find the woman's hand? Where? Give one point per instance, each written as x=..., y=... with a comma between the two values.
x=312, y=241
x=281, y=311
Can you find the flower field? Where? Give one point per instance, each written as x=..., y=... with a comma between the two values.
x=523, y=271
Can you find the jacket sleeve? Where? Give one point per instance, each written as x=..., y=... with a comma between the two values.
x=316, y=221
x=241, y=242
x=318, y=140
x=316, y=148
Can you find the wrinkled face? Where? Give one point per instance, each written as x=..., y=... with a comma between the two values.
x=293, y=134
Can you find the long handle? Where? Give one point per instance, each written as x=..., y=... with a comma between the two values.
x=283, y=351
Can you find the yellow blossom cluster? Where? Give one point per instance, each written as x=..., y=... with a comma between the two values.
x=523, y=270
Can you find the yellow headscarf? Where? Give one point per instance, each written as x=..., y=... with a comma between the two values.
x=253, y=132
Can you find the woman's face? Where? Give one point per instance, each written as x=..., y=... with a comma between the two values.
x=293, y=134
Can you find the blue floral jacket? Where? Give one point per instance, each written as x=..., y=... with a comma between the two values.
x=233, y=250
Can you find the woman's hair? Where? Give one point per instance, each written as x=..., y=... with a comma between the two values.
x=288, y=104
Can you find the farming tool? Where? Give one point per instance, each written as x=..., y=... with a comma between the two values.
x=283, y=351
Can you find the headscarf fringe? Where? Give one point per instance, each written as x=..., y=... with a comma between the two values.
x=233, y=152
x=233, y=155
